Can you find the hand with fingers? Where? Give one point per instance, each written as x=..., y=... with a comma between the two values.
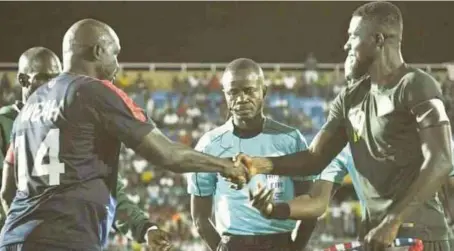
x=381, y=237
x=158, y=240
x=237, y=173
x=262, y=200
x=255, y=165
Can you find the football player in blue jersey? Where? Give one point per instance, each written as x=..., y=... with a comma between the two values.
x=37, y=66
x=65, y=145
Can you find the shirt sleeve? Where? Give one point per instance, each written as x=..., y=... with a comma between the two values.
x=200, y=183
x=336, y=119
x=419, y=87
x=115, y=111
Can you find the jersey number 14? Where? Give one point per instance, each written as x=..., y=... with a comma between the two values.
x=50, y=146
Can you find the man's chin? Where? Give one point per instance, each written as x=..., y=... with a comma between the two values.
x=244, y=116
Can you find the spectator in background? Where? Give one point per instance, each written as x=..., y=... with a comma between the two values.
x=278, y=83
x=7, y=94
x=171, y=118
x=204, y=82
x=311, y=73
x=123, y=81
x=289, y=82
x=194, y=82
x=150, y=107
x=140, y=81
x=194, y=113
x=214, y=85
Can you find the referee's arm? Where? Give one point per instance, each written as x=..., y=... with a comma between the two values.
x=201, y=212
x=201, y=187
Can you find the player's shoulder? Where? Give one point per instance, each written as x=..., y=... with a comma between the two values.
x=215, y=134
x=84, y=83
x=414, y=76
x=417, y=86
x=280, y=129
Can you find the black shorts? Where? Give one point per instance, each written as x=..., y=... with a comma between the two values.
x=269, y=242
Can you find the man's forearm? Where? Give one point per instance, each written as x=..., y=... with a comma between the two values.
x=306, y=207
x=433, y=174
x=302, y=163
x=177, y=157
x=208, y=233
x=325, y=146
x=189, y=160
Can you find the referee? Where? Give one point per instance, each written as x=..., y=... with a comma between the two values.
x=239, y=226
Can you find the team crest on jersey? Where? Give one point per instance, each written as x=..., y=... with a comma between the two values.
x=357, y=118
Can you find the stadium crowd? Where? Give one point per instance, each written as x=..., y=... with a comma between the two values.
x=193, y=104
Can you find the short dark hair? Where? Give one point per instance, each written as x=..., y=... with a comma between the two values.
x=385, y=14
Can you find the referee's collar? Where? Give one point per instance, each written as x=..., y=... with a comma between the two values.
x=227, y=139
x=229, y=126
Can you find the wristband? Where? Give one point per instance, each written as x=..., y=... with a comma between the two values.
x=153, y=227
x=281, y=211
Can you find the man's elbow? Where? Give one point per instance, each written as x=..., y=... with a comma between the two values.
x=321, y=208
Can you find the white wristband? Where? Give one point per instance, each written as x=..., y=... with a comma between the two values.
x=146, y=234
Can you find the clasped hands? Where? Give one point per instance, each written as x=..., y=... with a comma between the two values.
x=240, y=171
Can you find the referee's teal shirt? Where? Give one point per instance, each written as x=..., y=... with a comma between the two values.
x=233, y=213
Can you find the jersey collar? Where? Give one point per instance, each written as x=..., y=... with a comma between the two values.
x=228, y=137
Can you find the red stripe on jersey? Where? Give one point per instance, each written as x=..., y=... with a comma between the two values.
x=9, y=158
x=135, y=109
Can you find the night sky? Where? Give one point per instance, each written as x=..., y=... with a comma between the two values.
x=222, y=31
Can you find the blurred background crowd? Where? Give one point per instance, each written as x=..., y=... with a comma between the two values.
x=185, y=103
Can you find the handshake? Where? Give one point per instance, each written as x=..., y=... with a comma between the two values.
x=240, y=169
x=243, y=169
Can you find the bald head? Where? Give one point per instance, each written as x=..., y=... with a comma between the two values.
x=242, y=69
x=90, y=47
x=243, y=84
x=37, y=66
x=39, y=60
x=87, y=33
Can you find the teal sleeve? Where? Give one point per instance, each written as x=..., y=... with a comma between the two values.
x=200, y=183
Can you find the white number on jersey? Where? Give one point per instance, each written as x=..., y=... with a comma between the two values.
x=49, y=146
